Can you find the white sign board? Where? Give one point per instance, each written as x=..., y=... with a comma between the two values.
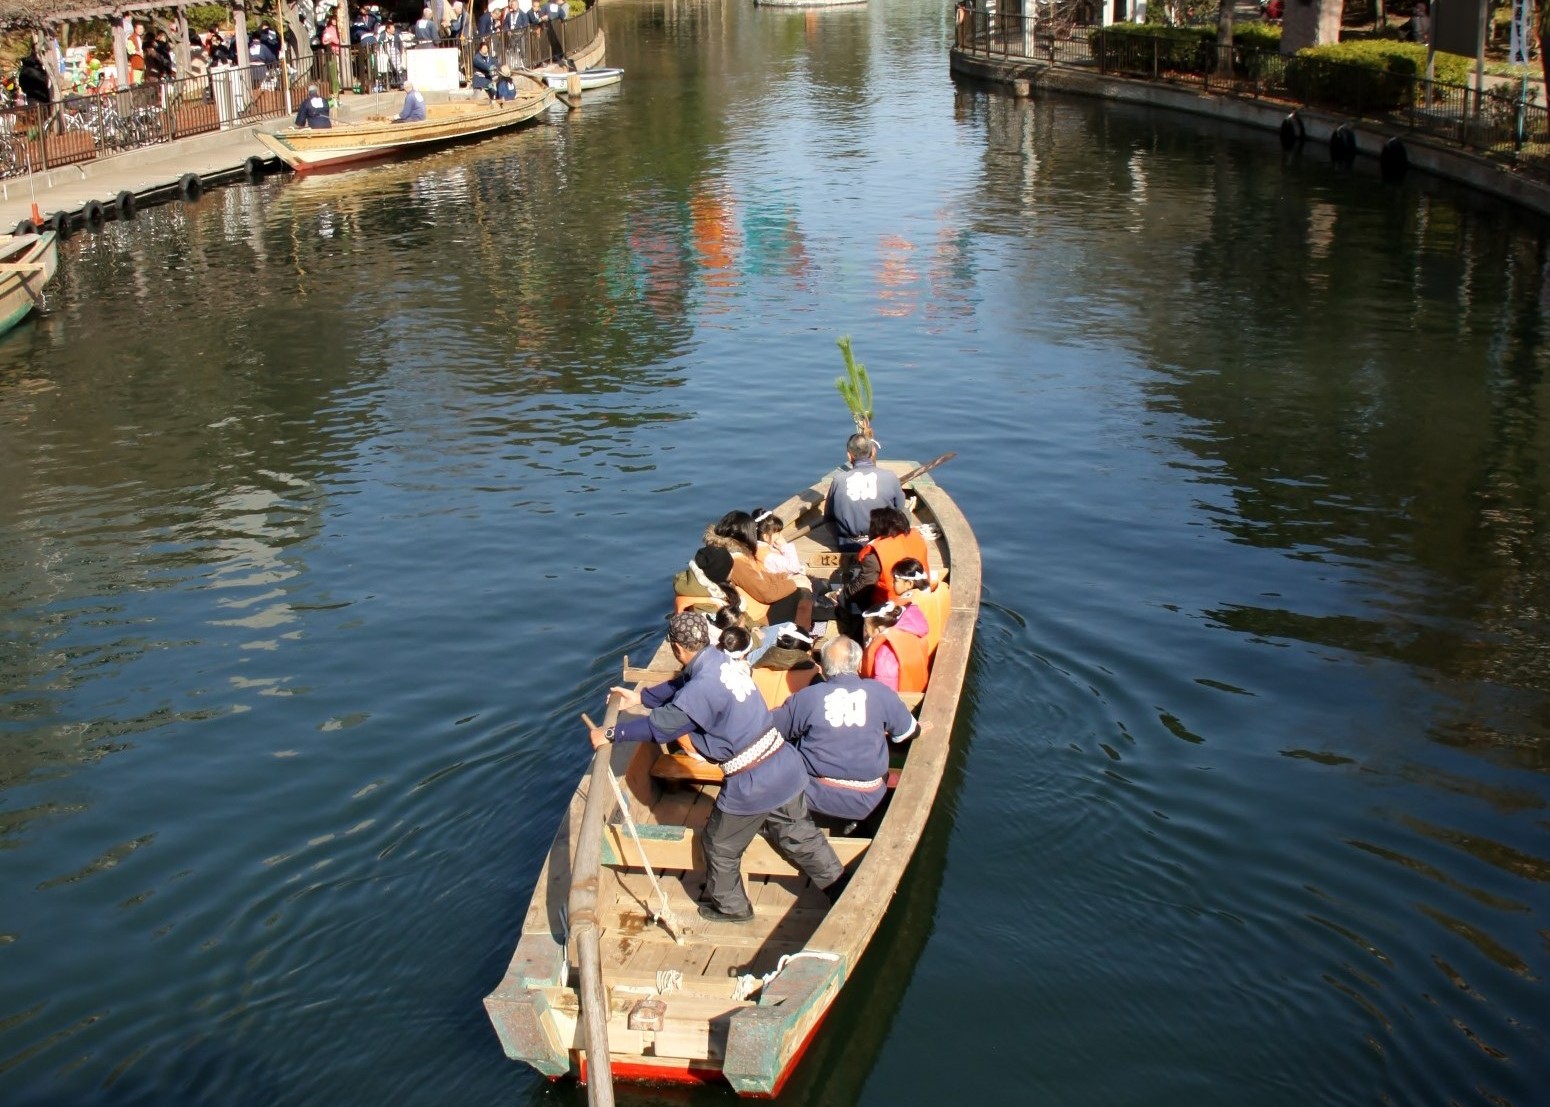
x=433, y=68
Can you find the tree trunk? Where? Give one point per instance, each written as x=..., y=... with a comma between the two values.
x=1224, y=38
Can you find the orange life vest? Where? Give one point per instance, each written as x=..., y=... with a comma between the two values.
x=891, y=551
x=910, y=649
x=779, y=685
x=935, y=603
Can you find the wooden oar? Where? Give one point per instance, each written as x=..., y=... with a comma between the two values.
x=586, y=868
x=918, y=471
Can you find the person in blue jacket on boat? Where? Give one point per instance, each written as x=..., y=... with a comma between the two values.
x=714, y=703
x=313, y=113
x=414, y=105
x=842, y=727
x=856, y=490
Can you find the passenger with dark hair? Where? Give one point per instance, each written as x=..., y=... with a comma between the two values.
x=892, y=540
x=768, y=597
x=785, y=668
x=916, y=591
x=893, y=655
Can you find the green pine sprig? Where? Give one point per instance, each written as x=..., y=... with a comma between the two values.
x=855, y=388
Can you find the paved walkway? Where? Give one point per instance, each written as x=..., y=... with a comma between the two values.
x=151, y=173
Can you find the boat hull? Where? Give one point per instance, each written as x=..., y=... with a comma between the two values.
x=308, y=151
x=600, y=77
x=739, y=1002
x=27, y=263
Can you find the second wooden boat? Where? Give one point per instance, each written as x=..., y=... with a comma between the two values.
x=307, y=151
x=735, y=1002
x=27, y=263
x=600, y=76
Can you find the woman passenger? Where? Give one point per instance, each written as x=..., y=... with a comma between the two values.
x=894, y=656
x=782, y=599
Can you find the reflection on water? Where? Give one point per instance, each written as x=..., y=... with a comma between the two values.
x=325, y=506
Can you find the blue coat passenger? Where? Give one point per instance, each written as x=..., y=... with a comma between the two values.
x=314, y=111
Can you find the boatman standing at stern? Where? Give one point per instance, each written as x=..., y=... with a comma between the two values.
x=714, y=702
x=314, y=111
x=856, y=490
x=842, y=728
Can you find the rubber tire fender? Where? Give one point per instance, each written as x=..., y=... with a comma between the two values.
x=1342, y=145
x=26, y=226
x=93, y=213
x=190, y=187
x=1393, y=160
x=1293, y=133
x=125, y=204
x=59, y=223
x=254, y=167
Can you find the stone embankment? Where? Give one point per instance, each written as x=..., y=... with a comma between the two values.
x=1024, y=76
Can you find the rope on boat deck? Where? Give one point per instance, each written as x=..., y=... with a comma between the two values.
x=750, y=983
x=664, y=916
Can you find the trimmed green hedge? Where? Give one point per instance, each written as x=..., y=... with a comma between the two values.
x=1130, y=46
x=1375, y=75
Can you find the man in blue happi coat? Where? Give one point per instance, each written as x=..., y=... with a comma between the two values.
x=856, y=490
x=714, y=703
x=842, y=727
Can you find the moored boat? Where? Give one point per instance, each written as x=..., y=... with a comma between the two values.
x=27, y=263
x=344, y=143
x=597, y=77
x=733, y=1002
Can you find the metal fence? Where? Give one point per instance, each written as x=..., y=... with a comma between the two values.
x=1500, y=122
x=82, y=128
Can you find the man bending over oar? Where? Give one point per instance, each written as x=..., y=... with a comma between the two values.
x=714, y=702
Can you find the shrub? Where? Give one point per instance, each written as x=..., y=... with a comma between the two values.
x=1135, y=46
x=1257, y=36
x=1373, y=75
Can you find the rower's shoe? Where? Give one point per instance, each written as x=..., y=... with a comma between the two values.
x=837, y=889
x=715, y=914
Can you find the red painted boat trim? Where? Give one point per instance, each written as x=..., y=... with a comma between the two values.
x=685, y=1072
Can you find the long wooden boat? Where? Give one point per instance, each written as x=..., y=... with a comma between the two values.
x=307, y=151
x=27, y=263
x=735, y=1002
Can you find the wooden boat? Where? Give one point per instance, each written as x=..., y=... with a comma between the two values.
x=307, y=151
x=27, y=263
x=600, y=76
x=735, y=1002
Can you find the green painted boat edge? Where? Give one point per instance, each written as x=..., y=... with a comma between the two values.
x=760, y=1048
x=519, y=1010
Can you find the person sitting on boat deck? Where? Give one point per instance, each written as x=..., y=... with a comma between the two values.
x=426, y=30
x=894, y=655
x=856, y=489
x=916, y=591
x=842, y=728
x=768, y=597
x=414, y=105
x=484, y=69
x=313, y=112
x=784, y=667
x=713, y=702
x=775, y=553
x=892, y=540
x=505, y=84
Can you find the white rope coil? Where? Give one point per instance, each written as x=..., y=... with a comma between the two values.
x=749, y=984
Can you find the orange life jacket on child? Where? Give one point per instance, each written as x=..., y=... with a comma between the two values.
x=935, y=603
x=779, y=685
x=910, y=649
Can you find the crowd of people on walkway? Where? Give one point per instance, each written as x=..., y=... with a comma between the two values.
x=795, y=689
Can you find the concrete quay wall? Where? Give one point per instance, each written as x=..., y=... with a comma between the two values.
x=1426, y=154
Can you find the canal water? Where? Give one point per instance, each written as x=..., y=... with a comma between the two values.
x=326, y=505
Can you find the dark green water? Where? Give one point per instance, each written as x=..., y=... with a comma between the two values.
x=326, y=505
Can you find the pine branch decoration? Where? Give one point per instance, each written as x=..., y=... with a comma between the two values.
x=855, y=388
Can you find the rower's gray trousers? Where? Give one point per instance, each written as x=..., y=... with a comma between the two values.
x=789, y=828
